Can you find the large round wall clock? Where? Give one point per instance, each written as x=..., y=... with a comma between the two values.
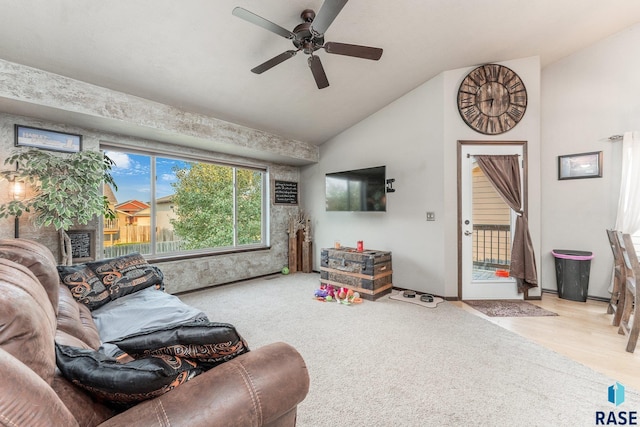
x=492, y=99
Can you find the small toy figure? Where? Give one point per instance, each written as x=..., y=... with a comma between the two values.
x=322, y=293
x=342, y=295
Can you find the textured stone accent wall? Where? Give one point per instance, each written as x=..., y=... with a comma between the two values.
x=37, y=93
x=182, y=275
x=41, y=99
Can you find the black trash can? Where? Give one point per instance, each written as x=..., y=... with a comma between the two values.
x=572, y=273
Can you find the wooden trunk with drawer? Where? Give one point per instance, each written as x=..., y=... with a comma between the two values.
x=368, y=272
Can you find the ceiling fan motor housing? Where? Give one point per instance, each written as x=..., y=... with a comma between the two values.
x=307, y=15
x=306, y=39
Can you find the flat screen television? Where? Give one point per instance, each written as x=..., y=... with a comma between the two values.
x=360, y=190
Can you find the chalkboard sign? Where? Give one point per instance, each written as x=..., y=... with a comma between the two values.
x=82, y=243
x=286, y=193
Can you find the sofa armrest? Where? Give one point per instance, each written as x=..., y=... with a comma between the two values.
x=27, y=400
x=254, y=389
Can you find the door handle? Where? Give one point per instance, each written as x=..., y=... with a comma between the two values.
x=468, y=233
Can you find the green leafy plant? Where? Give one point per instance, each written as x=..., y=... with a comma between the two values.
x=203, y=200
x=66, y=189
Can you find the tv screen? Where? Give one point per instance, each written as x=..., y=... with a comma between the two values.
x=361, y=190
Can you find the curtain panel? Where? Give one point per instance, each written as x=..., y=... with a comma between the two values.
x=628, y=217
x=503, y=172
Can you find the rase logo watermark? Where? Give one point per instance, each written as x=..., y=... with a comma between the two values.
x=619, y=418
x=616, y=394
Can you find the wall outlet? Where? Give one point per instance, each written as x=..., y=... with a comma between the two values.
x=431, y=216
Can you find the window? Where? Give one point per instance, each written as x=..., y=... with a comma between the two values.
x=189, y=206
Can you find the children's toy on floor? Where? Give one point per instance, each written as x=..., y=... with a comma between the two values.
x=330, y=293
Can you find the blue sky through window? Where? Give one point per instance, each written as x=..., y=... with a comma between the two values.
x=132, y=173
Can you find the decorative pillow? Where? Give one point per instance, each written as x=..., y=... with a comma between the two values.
x=126, y=274
x=209, y=343
x=84, y=285
x=160, y=274
x=123, y=384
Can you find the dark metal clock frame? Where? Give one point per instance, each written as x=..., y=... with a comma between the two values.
x=492, y=99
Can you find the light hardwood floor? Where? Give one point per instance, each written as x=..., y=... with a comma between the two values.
x=582, y=331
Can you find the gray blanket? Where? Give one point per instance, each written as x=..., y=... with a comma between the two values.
x=143, y=310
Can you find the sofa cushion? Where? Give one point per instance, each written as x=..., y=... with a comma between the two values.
x=86, y=410
x=64, y=338
x=84, y=285
x=209, y=343
x=75, y=319
x=126, y=274
x=27, y=400
x=38, y=259
x=27, y=319
x=123, y=384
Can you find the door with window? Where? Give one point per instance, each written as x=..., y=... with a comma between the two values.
x=486, y=227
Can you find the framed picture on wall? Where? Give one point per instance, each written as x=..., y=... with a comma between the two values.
x=47, y=139
x=582, y=165
x=285, y=193
x=82, y=245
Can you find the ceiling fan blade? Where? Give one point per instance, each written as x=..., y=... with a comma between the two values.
x=274, y=61
x=327, y=13
x=318, y=72
x=261, y=22
x=358, y=51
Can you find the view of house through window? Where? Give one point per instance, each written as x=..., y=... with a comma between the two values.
x=167, y=205
x=491, y=230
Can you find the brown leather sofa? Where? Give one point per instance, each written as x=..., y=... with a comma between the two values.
x=260, y=388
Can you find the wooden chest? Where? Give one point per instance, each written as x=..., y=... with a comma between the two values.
x=368, y=272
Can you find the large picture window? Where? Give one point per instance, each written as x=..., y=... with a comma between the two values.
x=170, y=206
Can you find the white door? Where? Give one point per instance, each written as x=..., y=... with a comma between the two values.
x=486, y=223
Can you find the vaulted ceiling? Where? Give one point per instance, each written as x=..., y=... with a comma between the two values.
x=196, y=56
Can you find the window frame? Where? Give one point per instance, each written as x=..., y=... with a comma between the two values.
x=154, y=154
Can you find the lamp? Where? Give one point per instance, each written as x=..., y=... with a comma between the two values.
x=17, y=192
x=17, y=189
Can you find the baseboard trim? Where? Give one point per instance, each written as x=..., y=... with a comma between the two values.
x=589, y=297
x=263, y=276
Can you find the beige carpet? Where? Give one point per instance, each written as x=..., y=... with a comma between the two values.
x=386, y=363
x=398, y=296
x=508, y=308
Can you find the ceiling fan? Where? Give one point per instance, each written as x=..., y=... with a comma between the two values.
x=308, y=37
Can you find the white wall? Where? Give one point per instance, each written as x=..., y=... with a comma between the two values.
x=575, y=104
x=416, y=138
x=406, y=136
x=587, y=97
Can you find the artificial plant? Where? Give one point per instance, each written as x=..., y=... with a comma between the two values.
x=65, y=189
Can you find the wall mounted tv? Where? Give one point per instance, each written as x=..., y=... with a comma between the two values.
x=361, y=190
